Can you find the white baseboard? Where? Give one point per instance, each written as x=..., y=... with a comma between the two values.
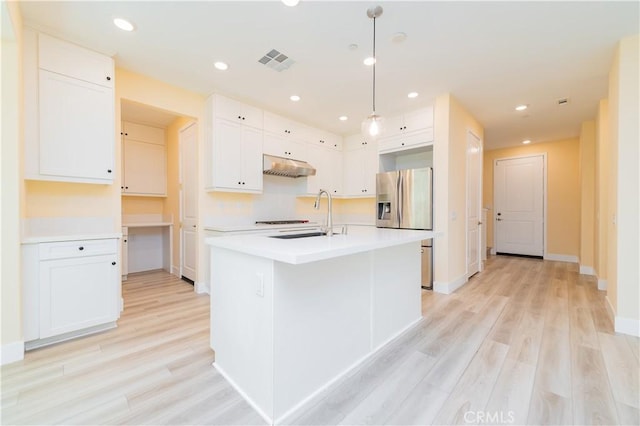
x=602, y=284
x=493, y=251
x=175, y=270
x=202, y=288
x=561, y=257
x=628, y=326
x=587, y=270
x=11, y=352
x=449, y=287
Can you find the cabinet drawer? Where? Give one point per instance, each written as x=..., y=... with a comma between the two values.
x=79, y=248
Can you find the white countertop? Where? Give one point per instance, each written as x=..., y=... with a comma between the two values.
x=146, y=224
x=257, y=228
x=304, y=250
x=68, y=237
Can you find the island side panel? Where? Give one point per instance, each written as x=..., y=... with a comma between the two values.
x=242, y=324
x=396, y=291
x=322, y=314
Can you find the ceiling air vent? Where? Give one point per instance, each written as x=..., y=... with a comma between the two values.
x=276, y=60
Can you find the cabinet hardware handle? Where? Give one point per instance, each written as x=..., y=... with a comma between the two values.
x=122, y=187
x=126, y=187
x=125, y=241
x=126, y=134
x=239, y=117
x=109, y=171
x=108, y=78
x=239, y=183
x=194, y=226
x=113, y=263
x=402, y=143
x=243, y=118
x=80, y=248
x=121, y=134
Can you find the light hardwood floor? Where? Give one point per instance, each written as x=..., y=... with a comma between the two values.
x=524, y=342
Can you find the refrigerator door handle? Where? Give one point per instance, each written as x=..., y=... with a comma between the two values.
x=400, y=199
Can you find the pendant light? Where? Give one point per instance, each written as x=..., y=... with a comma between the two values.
x=372, y=126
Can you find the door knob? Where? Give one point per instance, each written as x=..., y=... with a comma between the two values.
x=498, y=218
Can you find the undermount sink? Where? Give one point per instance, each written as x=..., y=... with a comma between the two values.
x=293, y=236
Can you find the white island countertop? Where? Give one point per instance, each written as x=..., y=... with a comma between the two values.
x=311, y=249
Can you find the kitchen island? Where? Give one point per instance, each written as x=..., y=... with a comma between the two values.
x=289, y=317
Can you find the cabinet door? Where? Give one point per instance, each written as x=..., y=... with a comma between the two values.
x=227, y=161
x=418, y=119
x=284, y=147
x=77, y=293
x=76, y=129
x=322, y=163
x=74, y=61
x=352, y=172
x=124, y=253
x=369, y=169
x=145, y=168
x=335, y=170
x=233, y=110
x=143, y=133
x=251, y=159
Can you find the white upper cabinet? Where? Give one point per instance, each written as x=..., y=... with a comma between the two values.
x=286, y=138
x=144, y=160
x=407, y=131
x=328, y=165
x=232, y=110
x=69, y=105
x=360, y=167
x=239, y=150
x=235, y=148
x=74, y=61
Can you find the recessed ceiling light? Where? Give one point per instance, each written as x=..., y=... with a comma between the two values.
x=294, y=98
x=343, y=118
x=291, y=3
x=526, y=142
x=521, y=107
x=222, y=66
x=370, y=61
x=123, y=24
x=412, y=95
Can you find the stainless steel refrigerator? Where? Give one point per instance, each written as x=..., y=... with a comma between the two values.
x=404, y=200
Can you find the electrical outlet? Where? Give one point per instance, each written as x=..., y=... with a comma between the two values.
x=260, y=285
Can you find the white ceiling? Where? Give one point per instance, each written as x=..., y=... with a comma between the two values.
x=491, y=56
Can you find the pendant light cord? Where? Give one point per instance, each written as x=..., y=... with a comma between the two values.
x=374, y=64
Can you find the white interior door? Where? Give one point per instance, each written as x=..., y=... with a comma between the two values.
x=474, y=196
x=188, y=201
x=519, y=205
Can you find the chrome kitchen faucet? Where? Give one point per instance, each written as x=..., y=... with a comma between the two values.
x=316, y=205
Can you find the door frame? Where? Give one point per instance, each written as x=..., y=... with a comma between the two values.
x=544, y=198
x=181, y=201
x=480, y=195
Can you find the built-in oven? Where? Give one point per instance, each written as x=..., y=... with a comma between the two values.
x=427, y=264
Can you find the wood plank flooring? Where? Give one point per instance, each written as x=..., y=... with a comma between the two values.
x=524, y=342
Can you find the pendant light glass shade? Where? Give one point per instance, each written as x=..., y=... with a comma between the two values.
x=373, y=125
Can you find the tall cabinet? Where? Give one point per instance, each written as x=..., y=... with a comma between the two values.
x=69, y=98
x=144, y=160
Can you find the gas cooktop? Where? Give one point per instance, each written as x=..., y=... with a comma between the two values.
x=281, y=222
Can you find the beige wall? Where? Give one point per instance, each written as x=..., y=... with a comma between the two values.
x=142, y=205
x=10, y=198
x=587, y=195
x=601, y=196
x=624, y=238
x=451, y=124
x=563, y=192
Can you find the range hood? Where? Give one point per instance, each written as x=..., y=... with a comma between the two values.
x=280, y=166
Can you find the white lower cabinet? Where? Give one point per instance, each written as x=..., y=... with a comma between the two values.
x=124, y=253
x=75, y=289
